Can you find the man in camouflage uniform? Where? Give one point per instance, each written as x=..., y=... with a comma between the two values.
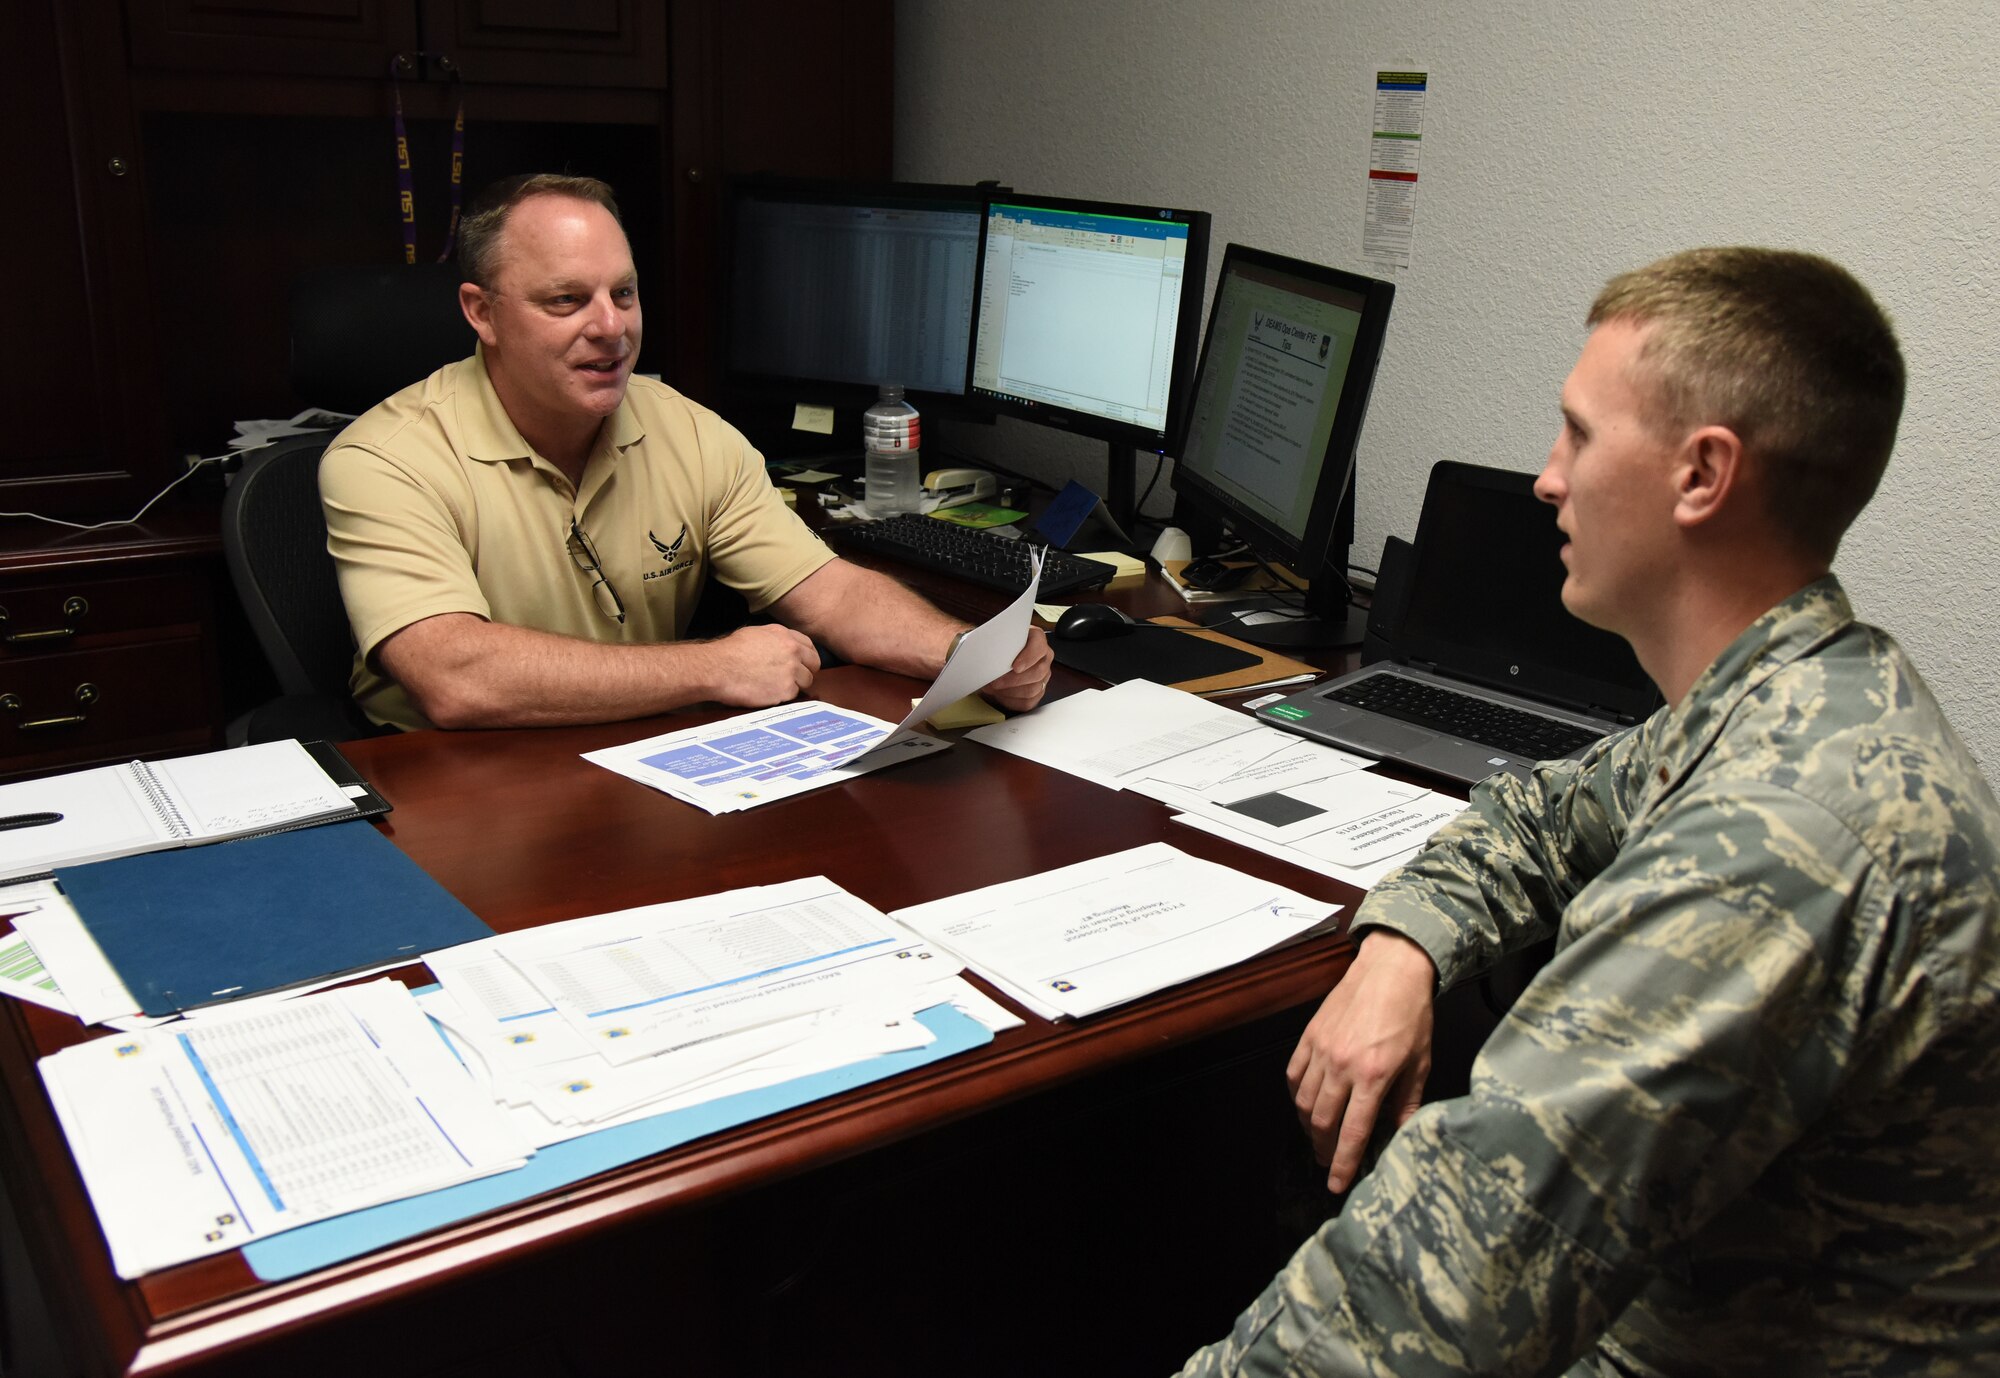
x=1748, y=1118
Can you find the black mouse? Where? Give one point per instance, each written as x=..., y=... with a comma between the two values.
x=1095, y=622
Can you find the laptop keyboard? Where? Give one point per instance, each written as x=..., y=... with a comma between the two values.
x=995, y=562
x=1466, y=715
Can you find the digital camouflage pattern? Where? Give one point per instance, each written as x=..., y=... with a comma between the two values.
x=1747, y=1120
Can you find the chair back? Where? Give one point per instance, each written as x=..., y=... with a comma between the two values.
x=274, y=537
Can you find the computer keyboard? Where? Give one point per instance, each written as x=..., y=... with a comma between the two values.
x=997, y=562
x=1465, y=715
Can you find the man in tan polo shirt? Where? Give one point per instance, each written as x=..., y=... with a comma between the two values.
x=522, y=536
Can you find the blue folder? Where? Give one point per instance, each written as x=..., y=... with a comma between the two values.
x=199, y=925
x=321, y=1245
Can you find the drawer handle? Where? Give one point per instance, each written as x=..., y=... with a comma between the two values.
x=74, y=607
x=86, y=694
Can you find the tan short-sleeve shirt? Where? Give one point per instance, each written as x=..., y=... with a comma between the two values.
x=435, y=504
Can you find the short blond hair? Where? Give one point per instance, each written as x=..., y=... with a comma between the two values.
x=1788, y=351
x=479, y=232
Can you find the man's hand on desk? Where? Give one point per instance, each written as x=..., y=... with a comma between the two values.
x=758, y=666
x=1022, y=687
x=1368, y=1045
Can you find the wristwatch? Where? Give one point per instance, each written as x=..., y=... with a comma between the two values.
x=952, y=650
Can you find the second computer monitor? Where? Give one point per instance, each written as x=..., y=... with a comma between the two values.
x=1285, y=375
x=1089, y=314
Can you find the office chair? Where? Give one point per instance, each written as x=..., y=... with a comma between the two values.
x=274, y=538
x=358, y=335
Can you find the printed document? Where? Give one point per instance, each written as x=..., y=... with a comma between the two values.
x=1086, y=937
x=603, y=1019
x=202, y=1137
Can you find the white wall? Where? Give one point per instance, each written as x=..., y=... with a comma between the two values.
x=1565, y=140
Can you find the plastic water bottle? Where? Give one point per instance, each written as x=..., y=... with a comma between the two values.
x=890, y=436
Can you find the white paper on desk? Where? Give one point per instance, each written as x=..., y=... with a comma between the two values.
x=1360, y=877
x=835, y=1043
x=1255, y=763
x=1303, y=811
x=1101, y=932
x=88, y=980
x=1115, y=736
x=1391, y=832
x=724, y=963
x=23, y=974
x=196, y=1139
x=763, y=756
x=984, y=654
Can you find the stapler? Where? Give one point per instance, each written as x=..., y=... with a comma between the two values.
x=954, y=486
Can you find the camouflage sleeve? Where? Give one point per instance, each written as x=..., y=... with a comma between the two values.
x=1703, y=1011
x=1498, y=877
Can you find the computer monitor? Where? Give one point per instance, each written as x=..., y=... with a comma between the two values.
x=1087, y=318
x=836, y=288
x=1285, y=373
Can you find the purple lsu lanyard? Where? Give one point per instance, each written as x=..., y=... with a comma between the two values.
x=406, y=195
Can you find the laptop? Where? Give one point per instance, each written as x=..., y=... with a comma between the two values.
x=1485, y=670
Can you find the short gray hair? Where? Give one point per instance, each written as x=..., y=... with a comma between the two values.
x=479, y=232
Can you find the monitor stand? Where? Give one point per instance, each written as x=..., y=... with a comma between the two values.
x=1278, y=627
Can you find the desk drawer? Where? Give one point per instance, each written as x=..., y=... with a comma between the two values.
x=52, y=613
x=70, y=708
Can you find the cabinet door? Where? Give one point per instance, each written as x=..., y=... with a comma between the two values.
x=314, y=38
x=79, y=390
x=552, y=42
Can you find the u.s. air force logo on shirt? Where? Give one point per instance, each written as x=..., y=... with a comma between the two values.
x=676, y=553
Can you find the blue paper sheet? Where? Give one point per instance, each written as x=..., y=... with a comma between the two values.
x=311, y=1247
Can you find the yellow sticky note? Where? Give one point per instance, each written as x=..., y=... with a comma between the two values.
x=1131, y=570
x=816, y=419
x=970, y=711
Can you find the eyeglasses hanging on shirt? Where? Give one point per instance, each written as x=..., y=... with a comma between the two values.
x=585, y=555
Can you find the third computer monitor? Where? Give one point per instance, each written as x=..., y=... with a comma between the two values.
x=1284, y=380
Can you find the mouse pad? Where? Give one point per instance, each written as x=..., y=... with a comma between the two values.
x=1164, y=657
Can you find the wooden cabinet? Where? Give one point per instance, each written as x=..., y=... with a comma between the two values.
x=80, y=386
x=108, y=646
x=181, y=162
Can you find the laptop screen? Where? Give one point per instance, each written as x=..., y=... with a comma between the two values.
x=1484, y=599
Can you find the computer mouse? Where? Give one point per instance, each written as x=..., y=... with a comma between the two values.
x=1095, y=622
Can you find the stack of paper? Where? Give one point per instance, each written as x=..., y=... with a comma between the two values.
x=1086, y=937
x=208, y=1135
x=575, y=1026
x=1231, y=776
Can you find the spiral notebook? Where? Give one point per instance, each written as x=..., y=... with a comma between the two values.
x=140, y=806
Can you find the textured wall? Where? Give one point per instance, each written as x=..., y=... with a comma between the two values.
x=1563, y=142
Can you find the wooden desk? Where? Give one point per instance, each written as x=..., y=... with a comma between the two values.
x=525, y=832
